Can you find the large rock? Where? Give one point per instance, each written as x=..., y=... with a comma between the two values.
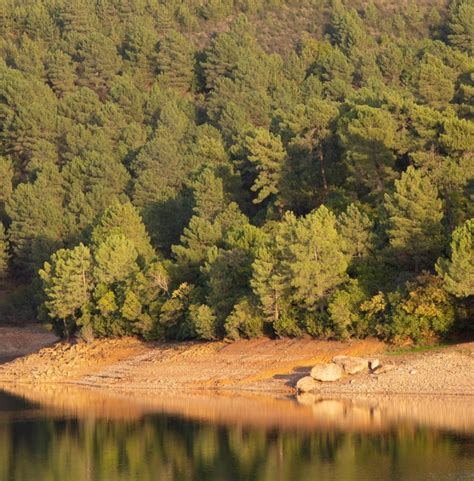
x=350, y=364
x=305, y=384
x=340, y=360
x=354, y=365
x=327, y=372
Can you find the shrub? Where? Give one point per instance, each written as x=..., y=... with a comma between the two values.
x=346, y=317
x=244, y=321
x=421, y=311
x=203, y=321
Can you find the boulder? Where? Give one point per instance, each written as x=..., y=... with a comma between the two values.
x=340, y=360
x=354, y=365
x=350, y=364
x=327, y=372
x=305, y=384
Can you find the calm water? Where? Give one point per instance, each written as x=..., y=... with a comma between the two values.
x=68, y=437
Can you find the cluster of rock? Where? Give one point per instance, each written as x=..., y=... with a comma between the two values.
x=337, y=369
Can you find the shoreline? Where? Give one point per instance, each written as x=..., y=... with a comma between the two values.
x=362, y=414
x=262, y=366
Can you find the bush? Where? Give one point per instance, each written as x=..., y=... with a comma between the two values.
x=421, y=311
x=244, y=321
x=345, y=314
x=287, y=324
x=203, y=321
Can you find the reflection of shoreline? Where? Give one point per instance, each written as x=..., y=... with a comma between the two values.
x=310, y=413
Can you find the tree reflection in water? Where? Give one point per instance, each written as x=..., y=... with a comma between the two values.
x=37, y=444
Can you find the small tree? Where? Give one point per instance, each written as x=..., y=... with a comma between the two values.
x=317, y=262
x=123, y=219
x=176, y=61
x=357, y=230
x=115, y=260
x=267, y=154
x=414, y=220
x=458, y=270
x=67, y=286
x=3, y=253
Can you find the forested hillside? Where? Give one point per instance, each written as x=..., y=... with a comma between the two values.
x=210, y=168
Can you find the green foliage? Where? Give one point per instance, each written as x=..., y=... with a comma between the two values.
x=4, y=255
x=347, y=319
x=123, y=219
x=175, y=61
x=461, y=25
x=67, y=286
x=203, y=321
x=267, y=154
x=316, y=261
x=414, y=221
x=435, y=81
x=244, y=321
x=357, y=231
x=37, y=220
x=421, y=311
x=115, y=259
x=368, y=136
x=457, y=271
x=293, y=175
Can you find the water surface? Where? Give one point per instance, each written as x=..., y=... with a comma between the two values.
x=58, y=433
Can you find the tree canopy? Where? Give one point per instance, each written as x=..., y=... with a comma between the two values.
x=199, y=169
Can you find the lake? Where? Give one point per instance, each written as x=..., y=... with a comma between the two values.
x=60, y=433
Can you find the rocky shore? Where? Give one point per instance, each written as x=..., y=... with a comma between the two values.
x=263, y=365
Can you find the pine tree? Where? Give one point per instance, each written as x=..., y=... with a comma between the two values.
x=175, y=61
x=209, y=196
x=77, y=18
x=461, y=25
x=368, y=134
x=115, y=259
x=414, y=220
x=357, y=230
x=316, y=262
x=29, y=56
x=123, y=219
x=98, y=62
x=347, y=29
x=271, y=277
x=6, y=186
x=270, y=284
x=458, y=270
x=203, y=321
x=4, y=256
x=201, y=235
x=159, y=168
x=309, y=125
x=60, y=72
x=267, y=154
x=67, y=284
x=37, y=226
x=92, y=183
x=124, y=93
x=435, y=81
x=27, y=116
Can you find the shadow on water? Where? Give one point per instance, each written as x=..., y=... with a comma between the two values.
x=64, y=432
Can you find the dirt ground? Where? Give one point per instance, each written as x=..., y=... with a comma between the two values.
x=261, y=365
x=15, y=342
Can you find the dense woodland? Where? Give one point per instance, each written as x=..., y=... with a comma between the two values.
x=233, y=168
